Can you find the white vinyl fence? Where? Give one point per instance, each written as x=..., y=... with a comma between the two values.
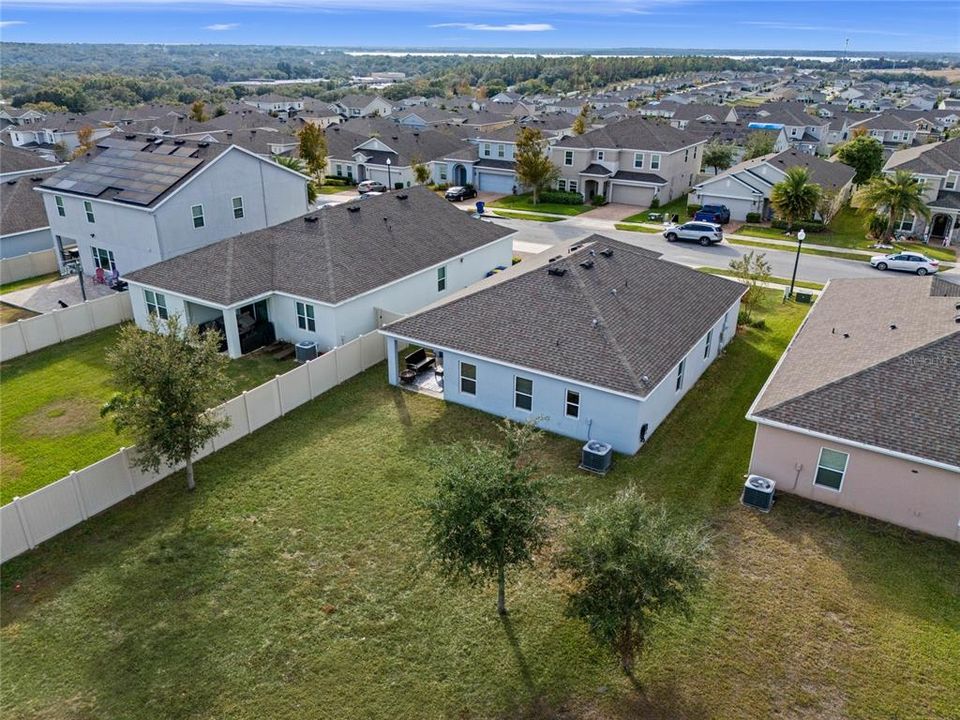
x=25, y=336
x=21, y=267
x=28, y=521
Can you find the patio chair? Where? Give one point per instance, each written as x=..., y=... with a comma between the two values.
x=98, y=276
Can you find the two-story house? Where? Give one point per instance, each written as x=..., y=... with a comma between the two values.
x=805, y=132
x=272, y=103
x=888, y=128
x=55, y=129
x=632, y=161
x=324, y=277
x=135, y=200
x=937, y=166
x=354, y=106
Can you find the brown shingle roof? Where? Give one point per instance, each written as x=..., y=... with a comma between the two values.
x=868, y=346
x=575, y=326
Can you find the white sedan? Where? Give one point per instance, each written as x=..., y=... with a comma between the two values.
x=912, y=262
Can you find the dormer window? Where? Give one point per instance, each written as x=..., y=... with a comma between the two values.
x=599, y=154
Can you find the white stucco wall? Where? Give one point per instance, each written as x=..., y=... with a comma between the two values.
x=25, y=242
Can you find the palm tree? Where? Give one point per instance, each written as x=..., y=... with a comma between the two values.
x=795, y=198
x=297, y=165
x=894, y=196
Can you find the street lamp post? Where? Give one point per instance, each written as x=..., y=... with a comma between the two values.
x=389, y=184
x=801, y=236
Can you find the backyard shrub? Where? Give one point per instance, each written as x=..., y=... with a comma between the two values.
x=754, y=217
x=810, y=226
x=336, y=180
x=559, y=197
x=598, y=200
x=655, y=203
x=876, y=225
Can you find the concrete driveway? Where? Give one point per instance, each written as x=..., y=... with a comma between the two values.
x=612, y=211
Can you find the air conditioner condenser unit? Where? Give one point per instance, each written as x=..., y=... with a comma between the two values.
x=758, y=493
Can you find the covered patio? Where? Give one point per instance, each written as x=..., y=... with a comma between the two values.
x=415, y=368
x=244, y=329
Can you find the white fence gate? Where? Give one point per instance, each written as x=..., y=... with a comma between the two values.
x=28, y=521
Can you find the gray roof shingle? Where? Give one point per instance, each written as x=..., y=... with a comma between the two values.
x=341, y=255
x=544, y=322
x=636, y=133
x=21, y=208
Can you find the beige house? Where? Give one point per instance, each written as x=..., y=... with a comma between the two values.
x=863, y=409
x=937, y=166
x=632, y=161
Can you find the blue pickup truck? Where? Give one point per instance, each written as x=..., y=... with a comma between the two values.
x=719, y=214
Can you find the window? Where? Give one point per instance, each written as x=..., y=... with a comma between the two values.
x=197, y=212
x=61, y=211
x=655, y=161
x=568, y=157
x=686, y=154
x=906, y=223
x=723, y=330
x=561, y=184
x=951, y=182
x=443, y=171
x=680, y=369
x=572, y=186
x=694, y=152
x=237, y=208
x=831, y=468
x=638, y=160
x=599, y=154
x=156, y=304
x=441, y=278
x=523, y=393
x=88, y=209
x=104, y=259
x=500, y=151
x=706, y=347
x=305, y=317
x=339, y=170
x=468, y=378
x=572, y=404
x=486, y=149
x=350, y=171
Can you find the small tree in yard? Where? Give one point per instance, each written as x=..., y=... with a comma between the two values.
x=489, y=511
x=718, y=155
x=632, y=566
x=198, y=112
x=580, y=124
x=533, y=166
x=84, y=141
x=754, y=271
x=421, y=173
x=168, y=377
x=865, y=155
x=313, y=150
x=758, y=143
x=895, y=196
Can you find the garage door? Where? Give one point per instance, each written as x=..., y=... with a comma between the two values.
x=738, y=207
x=492, y=182
x=631, y=195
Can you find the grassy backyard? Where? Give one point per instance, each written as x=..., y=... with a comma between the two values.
x=525, y=202
x=50, y=419
x=293, y=582
x=677, y=206
x=846, y=232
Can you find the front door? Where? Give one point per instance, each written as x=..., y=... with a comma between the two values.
x=939, y=228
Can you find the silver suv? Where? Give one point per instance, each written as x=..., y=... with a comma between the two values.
x=702, y=232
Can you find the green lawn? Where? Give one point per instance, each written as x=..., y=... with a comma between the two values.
x=846, y=231
x=50, y=419
x=639, y=228
x=28, y=282
x=11, y=313
x=293, y=582
x=527, y=216
x=783, y=281
x=677, y=206
x=333, y=189
x=525, y=202
x=805, y=250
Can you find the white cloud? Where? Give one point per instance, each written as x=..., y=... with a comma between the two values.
x=9, y=23
x=772, y=25
x=222, y=26
x=510, y=27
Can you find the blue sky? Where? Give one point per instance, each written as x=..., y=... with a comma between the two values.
x=870, y=25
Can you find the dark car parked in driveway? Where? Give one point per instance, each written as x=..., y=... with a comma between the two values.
x=460, y=192
x=719, y=214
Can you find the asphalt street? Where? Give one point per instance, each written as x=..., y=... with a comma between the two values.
x=814, y=268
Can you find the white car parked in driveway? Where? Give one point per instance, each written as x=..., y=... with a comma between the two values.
x=912, y=262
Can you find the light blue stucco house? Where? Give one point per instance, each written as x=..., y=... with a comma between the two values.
x=599, y=344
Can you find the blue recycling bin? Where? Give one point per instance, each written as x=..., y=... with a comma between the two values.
x=480, y=205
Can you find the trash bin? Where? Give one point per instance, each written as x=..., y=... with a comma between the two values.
x=480, y=205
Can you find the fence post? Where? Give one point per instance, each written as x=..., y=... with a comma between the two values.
x=24, y=525
x=276, y=380
x=126, y=470
x=246, y=410
x=76, y=491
